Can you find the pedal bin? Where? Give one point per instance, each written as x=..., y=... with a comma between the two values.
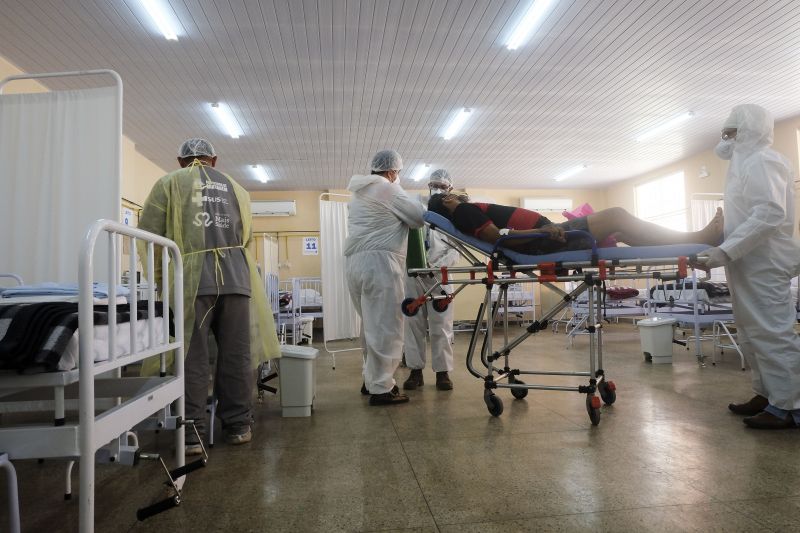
x=298, y=379
x=656, y=335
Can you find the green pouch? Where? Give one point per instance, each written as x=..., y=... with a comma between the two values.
x=415, y=255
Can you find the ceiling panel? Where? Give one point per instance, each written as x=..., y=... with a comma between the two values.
x=319, y=86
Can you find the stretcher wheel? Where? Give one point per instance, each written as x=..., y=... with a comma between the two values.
x=593, y=408
x=518, y=393
x=494, y=404
x=440, y=306
x=406, y=307
x=608, y=391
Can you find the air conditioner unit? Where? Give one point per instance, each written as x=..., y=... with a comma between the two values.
x=273, y=208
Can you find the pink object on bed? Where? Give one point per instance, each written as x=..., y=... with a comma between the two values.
x=583, y=210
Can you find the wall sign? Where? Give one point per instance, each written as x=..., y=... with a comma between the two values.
x=310, y=245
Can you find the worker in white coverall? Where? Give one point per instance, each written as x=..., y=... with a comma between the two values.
x=761, y=257
x=429, y=321
x=380, y=215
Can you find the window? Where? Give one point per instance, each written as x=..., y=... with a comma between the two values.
x=663, y=201
x=547, y=204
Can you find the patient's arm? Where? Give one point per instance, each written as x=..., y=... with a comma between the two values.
x=490, y=233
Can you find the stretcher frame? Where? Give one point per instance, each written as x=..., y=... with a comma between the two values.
x=589, y=274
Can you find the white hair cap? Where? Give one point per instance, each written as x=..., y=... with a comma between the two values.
x=441, y=176
x=196, y=147
x=386, y=160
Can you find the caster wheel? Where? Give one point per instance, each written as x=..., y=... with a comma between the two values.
x=593, y=408
x=440, y=306
x=518, y=393
x=405, y=306
x=494, y=404
x=608, y=391
x=648, y=358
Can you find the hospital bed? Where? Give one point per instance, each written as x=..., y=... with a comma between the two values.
x=588, y=268
x=90, y=378
x=299, y=304
x=615, y=303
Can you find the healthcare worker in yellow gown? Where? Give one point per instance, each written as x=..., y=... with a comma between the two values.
x=208, y=215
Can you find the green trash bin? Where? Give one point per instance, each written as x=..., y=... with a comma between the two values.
x=415, y=255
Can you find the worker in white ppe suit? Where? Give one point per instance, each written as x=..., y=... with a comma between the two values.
x=429, y=321
x=380, y=215
x=761, y=257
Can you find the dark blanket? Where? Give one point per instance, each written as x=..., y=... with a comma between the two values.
x=33, y=337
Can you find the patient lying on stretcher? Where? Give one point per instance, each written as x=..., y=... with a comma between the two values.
x=489, y=222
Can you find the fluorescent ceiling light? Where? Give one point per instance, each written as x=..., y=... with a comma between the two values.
x=455, y=125
x=571, y=172
x=155, y=8
x=226, y=119
x=665, y=126
x=420, y=172
x=529, y=21
x=260, y=173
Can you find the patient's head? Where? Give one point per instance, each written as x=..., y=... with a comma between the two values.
x=444, y=204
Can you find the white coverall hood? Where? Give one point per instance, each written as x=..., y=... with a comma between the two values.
x=759, y=227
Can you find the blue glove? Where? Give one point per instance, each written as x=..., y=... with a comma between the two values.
x=716, y=257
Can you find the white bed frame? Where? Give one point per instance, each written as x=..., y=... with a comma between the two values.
x=290, y=321
x=133, y=399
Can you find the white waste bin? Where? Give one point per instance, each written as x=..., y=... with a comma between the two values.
x=298, y=379
x=656, y=334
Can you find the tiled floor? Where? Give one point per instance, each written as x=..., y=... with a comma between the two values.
x=667, y=456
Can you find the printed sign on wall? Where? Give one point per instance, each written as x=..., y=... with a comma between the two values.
x=310, y=245
x=127, y=216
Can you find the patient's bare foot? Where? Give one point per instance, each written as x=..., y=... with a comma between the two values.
x=712, y=234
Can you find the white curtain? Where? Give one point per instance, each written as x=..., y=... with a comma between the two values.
x=702, y=213
x=59, y=170
x=340, y=320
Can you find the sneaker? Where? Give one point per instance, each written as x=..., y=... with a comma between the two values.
x=238, y=435
x=414, y=380
x=193, y=449
x=752, y=407
x=388, y=398
x=443, y=381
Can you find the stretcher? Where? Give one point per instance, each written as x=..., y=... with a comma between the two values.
x=588, y=268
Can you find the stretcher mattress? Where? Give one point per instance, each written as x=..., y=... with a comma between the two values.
x=620, y=252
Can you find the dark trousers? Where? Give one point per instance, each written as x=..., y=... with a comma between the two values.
x=228, y=316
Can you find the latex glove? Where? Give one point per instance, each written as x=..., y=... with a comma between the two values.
x=716, y=257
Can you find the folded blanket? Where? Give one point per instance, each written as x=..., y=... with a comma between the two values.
x=33, y=337
x=100, y=290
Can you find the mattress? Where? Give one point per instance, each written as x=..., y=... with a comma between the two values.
x=69, y=359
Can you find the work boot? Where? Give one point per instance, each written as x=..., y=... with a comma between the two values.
x=765, y=420
x=388, y=398
x=752, y=407
x=414, y=380
x=443, y=381
x=239, y=434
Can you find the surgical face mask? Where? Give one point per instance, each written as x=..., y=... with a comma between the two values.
x=724, y=149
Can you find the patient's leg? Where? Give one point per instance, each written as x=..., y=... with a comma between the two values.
x=637, y=232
